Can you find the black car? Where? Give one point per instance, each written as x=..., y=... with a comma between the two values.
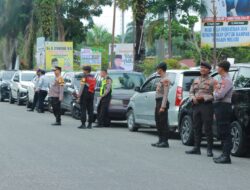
x=5, y=77
x=241, y=112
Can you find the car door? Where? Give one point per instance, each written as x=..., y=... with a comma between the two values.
x=68, y=91
x=144, y=102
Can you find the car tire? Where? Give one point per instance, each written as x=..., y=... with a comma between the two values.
x=18, y=101
x=239, y=140
x=186, y=131
x=76, y=113
x=11, y=99
x=132, y=126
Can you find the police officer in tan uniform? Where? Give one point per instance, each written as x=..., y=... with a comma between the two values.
x=56, y=94
x=162, y=105
x=201, y=94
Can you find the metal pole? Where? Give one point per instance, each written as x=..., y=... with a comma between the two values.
x=214, y=34
x=113, y=35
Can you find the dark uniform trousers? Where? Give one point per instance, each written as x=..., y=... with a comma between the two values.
x=42, y=96
x=203, y=117
x=35, y=100
x=103, y=111
x=223, y=113
x=161, y=120
x=87, y=105
x=56, y=105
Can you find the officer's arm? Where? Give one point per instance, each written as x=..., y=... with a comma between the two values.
x=81, y=87
x=191, y=92
x=226, y=86
x=166, y=84
x=108, y=87
x=40, y=83
x=61, y=84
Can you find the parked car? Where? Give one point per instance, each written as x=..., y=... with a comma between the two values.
x=124, y=83
x=19, y=86
x=241, y=112
x=140, y=112
x=5, y=78
x=31, y=89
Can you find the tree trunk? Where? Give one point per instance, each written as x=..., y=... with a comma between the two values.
x=170, y=53
x=60, y=26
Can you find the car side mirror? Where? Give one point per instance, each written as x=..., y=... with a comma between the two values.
x=138, y=89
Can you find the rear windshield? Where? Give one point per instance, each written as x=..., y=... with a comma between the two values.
x=243, y=78
x=27, y=76
x=127, y=81
x=188, y=80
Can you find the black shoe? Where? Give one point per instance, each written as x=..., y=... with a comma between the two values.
x=56, y=124
x=223, y=160
x=31, y=110
x=155, y=144
x=83, y=126
x=89, y=126
x=40, y=111
x=194, y=151
x=210, y=153
x=163, y=145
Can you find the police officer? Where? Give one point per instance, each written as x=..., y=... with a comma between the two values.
x=223, y=111
x=56, y=94
x=86, y=96
x=43, y=86
x=162, y=105
x=105, y=95
x=201, y=94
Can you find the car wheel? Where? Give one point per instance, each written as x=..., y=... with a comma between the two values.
x=239, y=140
x=11, y=99
x=131, y=121
x=76, y=113
x=186, y=131
x=19, y=102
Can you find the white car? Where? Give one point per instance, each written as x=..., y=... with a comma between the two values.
x=31, y=89
x=19, y=86
x=141, y=107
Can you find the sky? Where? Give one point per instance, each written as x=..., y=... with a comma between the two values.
x=106, y=20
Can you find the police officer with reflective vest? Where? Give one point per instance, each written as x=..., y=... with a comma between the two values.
x=86, y=96
x=223, y=111
x=105, y=95
x=162, y=105
x=201, y=94
x=56, y=94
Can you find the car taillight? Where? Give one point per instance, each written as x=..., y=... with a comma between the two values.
x=178, y=97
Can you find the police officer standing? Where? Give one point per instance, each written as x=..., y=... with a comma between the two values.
x=105, y=95
x=43, y=86
x=162, y=105
x=86, y=95
x=201, y=94
x=223, y=111
x=56, y=94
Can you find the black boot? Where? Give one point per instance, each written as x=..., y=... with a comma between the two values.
x=83, y=126
x=56, y=123
x=31, y=110
x=210, y=152
x=89, y=126
x=223, y=159
x=195, y=150
x=156, y=144
x=163, y=144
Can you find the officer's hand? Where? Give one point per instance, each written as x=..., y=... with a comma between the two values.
x=162, y=110
x=200, y=99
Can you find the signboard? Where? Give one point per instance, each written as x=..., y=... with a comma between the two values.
x=59, y=54
x=40, y=52
x=91, y=58
x=124, y=57
x=232, y=23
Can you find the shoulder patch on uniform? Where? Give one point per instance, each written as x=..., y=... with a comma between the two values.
x=61, y=81
x=83, y=81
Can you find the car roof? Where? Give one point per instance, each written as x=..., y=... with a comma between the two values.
x=26, y=71
x=121, y=71
x=240, y=65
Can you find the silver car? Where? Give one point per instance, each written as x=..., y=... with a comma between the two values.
x=19, y=86
x=141, y=107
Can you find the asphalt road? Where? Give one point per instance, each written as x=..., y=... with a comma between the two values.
x=37, y=156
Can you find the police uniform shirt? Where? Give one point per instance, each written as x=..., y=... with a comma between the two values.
x=224, y=90
x=57, y=87
x=162, y=90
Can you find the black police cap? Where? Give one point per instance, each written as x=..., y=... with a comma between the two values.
x=207, y=65
x=87, y=68
x=225, y=65
x=162, y=66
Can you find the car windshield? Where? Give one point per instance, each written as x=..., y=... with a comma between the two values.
x=243, y=78
x=27, y=76
x=188, y=80
x=8, y=75
x=127, y=81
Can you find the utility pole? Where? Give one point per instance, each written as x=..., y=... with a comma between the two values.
x=113, y=36
x=123, y=26
x=170, y=53
x=214, y=11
